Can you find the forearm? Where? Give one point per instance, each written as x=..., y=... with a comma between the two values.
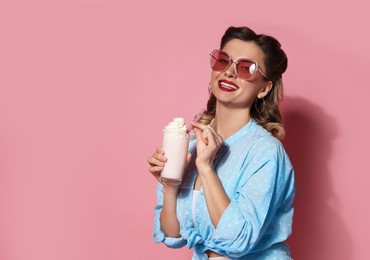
x=168, y=218
x=216, y=198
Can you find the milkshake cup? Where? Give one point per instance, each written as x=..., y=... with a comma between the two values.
x=175, y=145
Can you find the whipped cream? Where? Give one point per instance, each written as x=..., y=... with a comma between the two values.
x=176, y=126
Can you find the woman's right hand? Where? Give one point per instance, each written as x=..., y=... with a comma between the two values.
x=156, y=163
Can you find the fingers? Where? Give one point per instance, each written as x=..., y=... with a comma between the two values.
x=198, y=126
x=156, y=162
x=201, y=132
x=156, y=171
x=200, y=137
x=159, y=150
x=158, y=157
x=207, y=134
x=218, y=138
x=202, y=127
x=210, y=138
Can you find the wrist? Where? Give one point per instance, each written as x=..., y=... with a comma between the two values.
x=171, y=190
x=204, y=168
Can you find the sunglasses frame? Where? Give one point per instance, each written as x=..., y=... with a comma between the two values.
x=231, y=61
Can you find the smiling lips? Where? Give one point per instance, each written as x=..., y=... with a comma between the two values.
x=227, y=86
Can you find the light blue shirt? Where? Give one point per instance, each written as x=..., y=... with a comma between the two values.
x=258, y=177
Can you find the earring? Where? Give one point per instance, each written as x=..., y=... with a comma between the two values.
x=263, y=105
x=209, y=88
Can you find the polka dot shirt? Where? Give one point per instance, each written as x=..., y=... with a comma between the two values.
x=258, y=177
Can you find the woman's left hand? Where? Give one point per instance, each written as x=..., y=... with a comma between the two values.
x=208, y=143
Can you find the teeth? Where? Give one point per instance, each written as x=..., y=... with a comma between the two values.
x=229, y=86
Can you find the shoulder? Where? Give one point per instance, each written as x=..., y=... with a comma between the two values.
x=255, y=143
x=264, y=142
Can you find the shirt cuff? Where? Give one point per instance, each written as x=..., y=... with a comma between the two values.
x=172, y=242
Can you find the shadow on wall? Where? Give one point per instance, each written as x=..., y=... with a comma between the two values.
x=318, y=231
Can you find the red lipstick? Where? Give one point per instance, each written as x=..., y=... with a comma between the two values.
x=227, y=86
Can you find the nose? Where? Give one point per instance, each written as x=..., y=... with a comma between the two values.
x=231, y=70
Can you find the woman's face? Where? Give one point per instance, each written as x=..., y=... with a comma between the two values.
x=241, y=93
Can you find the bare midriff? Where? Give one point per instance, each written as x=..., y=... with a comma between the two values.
x=212, y=254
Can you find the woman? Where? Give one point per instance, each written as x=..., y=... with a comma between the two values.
x=236, y=197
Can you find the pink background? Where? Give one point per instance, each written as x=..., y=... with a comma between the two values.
x=87, y=85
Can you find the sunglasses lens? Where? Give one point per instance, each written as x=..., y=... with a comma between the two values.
x=219, y=60
x=246, y=69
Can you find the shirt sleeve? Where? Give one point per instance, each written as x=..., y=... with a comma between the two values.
x=159, y=236
x=255, y=204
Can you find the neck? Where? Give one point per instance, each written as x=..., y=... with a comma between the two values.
x=228, y=121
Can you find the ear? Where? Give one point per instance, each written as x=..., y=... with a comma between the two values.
x=265, y=89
